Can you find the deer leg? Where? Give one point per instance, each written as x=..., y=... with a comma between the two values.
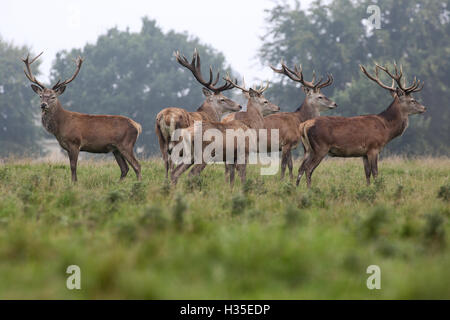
x=367, y=169
x=232, y=168
x=242, y=171
x=122, y=164
x=312, y=165
x=178, y=171
x=373, y=160
x=284, y=160
x=197, y=169
x=290, y=164
x=129, y=156
x=303, y=167
x=227, y=172
x=73, y=157
x=166, y=159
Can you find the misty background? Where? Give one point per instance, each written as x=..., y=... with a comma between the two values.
x=129, y=67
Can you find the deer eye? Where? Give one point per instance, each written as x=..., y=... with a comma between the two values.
x=266, y=102
x=320, y=97
x=222, y=100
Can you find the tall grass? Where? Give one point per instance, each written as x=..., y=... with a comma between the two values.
x=266, y=239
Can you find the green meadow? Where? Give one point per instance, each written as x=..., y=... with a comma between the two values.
x=266, y=239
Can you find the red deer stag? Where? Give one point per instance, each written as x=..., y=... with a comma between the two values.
x=212, y=109
x=257, y=107
x=77, y=132
x=288, y=122
x=362, y=136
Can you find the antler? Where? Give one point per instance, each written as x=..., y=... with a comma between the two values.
x=195, y=68
x=413, y=88
x=327, y=83
x=396, y=78
x=78, y=62
x=259, y=90
x=235, y=85
x=297, y=75
x=376, y=79
x=30, y=75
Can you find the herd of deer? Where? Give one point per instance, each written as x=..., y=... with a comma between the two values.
x=360, y=136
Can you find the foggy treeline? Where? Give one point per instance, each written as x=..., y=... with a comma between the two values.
x=135, y=74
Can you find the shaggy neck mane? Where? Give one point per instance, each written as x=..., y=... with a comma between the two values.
x=209, y=111
x=395, y=120
x=306, y=111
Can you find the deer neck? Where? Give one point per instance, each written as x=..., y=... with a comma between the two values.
x=252, y=117
x=306, y=111
x=208, y=112
x=396, y=122
x=51, y=119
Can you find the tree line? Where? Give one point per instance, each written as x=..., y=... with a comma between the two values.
x=134, y=74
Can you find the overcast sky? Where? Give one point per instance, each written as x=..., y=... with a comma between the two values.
x=233, y=27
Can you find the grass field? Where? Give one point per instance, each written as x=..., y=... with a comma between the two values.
x=265, y=240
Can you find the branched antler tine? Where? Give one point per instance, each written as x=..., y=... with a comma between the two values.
x=277, y=70
x=376, y=79
x=292, y=74
x=217, y=79
x=57, y=84
x=210, y=76
x=78, y=62
x=195, y=68
x=326, y=83
x=30, y=75
x=397, y=77
x=414, y=85
x=35, y=58
x=418, y=89
x=262, y=89
x=299, y=71
x=234, y=83
x=318, y=82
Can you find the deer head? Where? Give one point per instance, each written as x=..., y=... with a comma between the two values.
x=49, y=97
x=312, y=90
x=214, y=97
x=256, y=97
x=403, y=94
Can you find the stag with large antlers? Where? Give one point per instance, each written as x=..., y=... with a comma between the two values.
x=212, y=109
x=362, y=136
x=77, y=132
x=288, y=122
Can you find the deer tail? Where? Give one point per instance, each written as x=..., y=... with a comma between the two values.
x=137, y=126
x=304, y=126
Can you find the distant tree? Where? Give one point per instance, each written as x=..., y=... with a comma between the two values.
x=136, y=75
x=332, y=37
x=19, y=134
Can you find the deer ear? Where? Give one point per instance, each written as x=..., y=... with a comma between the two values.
x=306, y=90
x=36, y=89
x=206, y=92
x=60, y=90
